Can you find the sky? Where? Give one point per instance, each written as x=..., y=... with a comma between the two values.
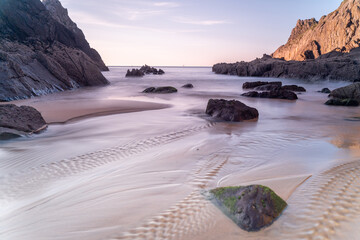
x=189, y=32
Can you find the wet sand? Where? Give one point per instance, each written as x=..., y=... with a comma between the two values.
x=141, y=174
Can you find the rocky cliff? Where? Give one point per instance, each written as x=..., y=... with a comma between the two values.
x=325, y=49
x=338, y=31
x=43, y=51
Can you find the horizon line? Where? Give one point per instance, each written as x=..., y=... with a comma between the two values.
x=161, y=66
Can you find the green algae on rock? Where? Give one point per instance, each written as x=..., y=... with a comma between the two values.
x=251, y=207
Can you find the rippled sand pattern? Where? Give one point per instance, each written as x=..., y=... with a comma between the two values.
x=20, y=183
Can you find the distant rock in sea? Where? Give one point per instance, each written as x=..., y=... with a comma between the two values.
x=19, y=121
x=134, y=73
x=144, y=70
x=43, y=51
x=327, y=49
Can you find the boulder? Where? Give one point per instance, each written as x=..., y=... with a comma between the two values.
x=161, y=90
x=251, y=207
x=293, y=88
x=250, y=85
x=325, y=90
x=276, y=94
x=268, y=87
x=231, y=111
x=134, y=73
x=18, y=121
x=189, y=85
x=351, y=91
x=343, y=102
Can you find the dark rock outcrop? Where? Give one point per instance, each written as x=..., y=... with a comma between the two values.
x=349, y=92
x=251, y=208
x=151, y=70
x=275, y=94
x=293, y=88
x=343, y=102
x=17, y=121
x=134, y=73
x=331, y=66
x=189, y=85
x=231, y=111
x=161, y=90
x=42, y=51
x=338, y=31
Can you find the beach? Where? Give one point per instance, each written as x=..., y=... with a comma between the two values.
x=116, y=163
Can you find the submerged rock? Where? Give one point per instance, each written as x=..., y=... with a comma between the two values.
x=161, y=90
x=325, y=90
x=250, y=85
x=189, y=85
x=351, y=91
x=275, y=94
x=343, y=102
x=293, y=88
x=231, y=111
x=251, y=208
x=18, y=121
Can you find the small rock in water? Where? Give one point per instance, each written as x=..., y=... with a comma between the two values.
x=342, y=102
x=231, y=111
x=251, y=208
x=275, y=94
x=189, y=85
x=325, y=90
x=161, y=90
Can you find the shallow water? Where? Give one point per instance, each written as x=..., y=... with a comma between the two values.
x=140, y=175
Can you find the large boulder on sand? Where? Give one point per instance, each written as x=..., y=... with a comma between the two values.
x=274, y=94
x=161, y=90
x=342, y=102
x=349, y=92
x=231, y=111
x=251, y=208
x=17, y=121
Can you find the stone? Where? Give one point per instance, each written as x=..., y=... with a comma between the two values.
x=17, y=121
x=161, y=90
x=311, y=38
x=268, y=87
x=189, y=85
x=325, y=90
x=250, y=207
x=231, y=111
x=275, y=94
x=42, y=51
x=293, y=88
x=134, y=73
x=250, y=85
x=151, y=70
x=351, y=91
x=343, y=102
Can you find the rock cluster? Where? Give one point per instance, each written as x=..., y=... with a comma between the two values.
x=331, y=66
x=144, y=70
x=43, y=51
x=161, y=90
x=231, y=111
x=251, y=208
x=17, y=121
x=338, y=31
x=134, y=73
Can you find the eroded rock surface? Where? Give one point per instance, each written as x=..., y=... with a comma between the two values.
x=251, y=208
x=17, y=121
x=42, y=51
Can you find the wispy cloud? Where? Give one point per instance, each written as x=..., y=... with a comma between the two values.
x=166, y=4
x=200, y=22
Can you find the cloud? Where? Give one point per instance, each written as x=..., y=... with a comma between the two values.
x=166, y=4
x=200, y=22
